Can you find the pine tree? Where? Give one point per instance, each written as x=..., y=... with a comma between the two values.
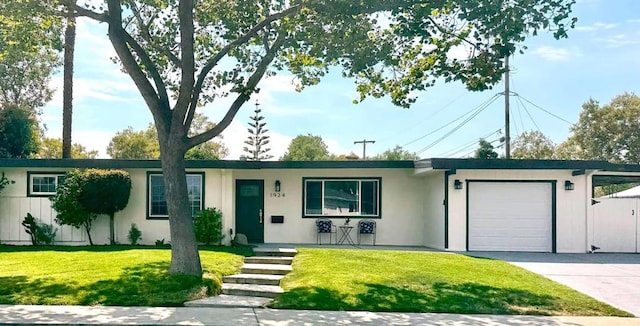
x=256, y=151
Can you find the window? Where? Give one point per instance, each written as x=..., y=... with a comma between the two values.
x=157, y=206
x=44, y=184
x=341, y=197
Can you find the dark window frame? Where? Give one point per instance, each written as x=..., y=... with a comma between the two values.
x=32, y=174
x=359, y=179
x=150, y=216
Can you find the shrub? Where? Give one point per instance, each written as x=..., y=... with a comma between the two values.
x=45, y=234
x=105, y=192
x=208, y=226
x=135, y=234
x=40, y=233
x=66, y=203
x=30, y=226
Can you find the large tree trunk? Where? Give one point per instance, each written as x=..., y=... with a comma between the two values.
x=67, y=88
x=185, y=258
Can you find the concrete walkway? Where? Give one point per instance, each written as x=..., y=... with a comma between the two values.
x=80, y=315
x=610, y=278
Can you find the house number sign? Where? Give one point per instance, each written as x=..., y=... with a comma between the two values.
x=276, y=194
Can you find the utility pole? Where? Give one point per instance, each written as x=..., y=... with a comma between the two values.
x=507, y=139
x=364, y=143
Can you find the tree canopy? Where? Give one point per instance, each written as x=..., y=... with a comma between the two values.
x=30, y=41
x=396, y=154
x=610, y=132
x=306, y=148
x=143, y=145
x=18, y=132
x=485, y=151
x=533, y=145
x=52, y=148
x=195, y=54
x=258, y=138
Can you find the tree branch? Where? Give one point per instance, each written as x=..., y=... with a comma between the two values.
x=118, y=38
x=146, y=35
x=244, y=96
x=187, y=68
x=197, y=90
x=80, y=11
x=151, y=67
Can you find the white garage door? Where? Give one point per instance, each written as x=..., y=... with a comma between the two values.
x=510, y=216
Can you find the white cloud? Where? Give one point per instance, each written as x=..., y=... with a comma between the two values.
x=236, y=133
x=633, y=21
x=618, y=40
x=596, y=26
x=557, y=54
x=90, y=139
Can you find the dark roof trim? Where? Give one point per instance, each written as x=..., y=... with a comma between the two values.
x=503, y=164
x=202, y=164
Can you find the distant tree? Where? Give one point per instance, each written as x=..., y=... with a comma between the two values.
x=533, y=145
x=134, y=145
x=485, y=151
x=52, y=148
x=18, y=132
x=30, y=41
x=67, y=205
x=396, y=154
x=610, y=132
x=258, y=138
x=344, y=157
x=306, y=148
x=143, y=145
x=105, y=192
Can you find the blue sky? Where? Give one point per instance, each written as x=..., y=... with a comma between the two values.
x=599, y=60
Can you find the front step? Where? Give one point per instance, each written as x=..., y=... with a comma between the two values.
x=280, y=252
x=252, y=290
x=270, y=269
x=262, y=279
x=268, y=260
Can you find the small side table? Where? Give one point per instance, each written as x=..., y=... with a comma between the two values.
x=345, y=234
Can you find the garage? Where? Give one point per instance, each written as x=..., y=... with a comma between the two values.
x=510, y=216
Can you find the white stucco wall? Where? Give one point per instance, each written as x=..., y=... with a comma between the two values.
x=433, y=208
x=401, y=223
x=571, y=206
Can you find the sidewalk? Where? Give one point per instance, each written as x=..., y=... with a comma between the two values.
x=81, y=315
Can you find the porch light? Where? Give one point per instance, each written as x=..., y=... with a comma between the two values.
x=457, y=184
x=568, y=185
x=277, y=186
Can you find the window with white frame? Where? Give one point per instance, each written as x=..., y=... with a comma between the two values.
x=44, y=184
x=157, y=207
x=341, y=197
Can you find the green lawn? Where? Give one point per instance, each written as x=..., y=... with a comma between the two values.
x=337, y=279
x=102, y=275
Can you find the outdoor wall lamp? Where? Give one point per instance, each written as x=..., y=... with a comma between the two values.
x=457, y=184
x=277, y=186
x=568, y=185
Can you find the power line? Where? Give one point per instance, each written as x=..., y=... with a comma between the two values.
x=489, y=101
x=491, y=142
x=465, y=146
x=546, y=111
x=457, y=127
x=404, y=130
x=529, y=114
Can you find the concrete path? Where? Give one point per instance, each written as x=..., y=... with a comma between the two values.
x=611, y=278
x=77, y=315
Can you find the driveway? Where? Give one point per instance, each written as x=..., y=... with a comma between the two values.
x=611, y=278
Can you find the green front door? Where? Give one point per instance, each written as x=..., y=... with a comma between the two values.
x=250, y=209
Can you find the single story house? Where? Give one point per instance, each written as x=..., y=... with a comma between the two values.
x=448, y=204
